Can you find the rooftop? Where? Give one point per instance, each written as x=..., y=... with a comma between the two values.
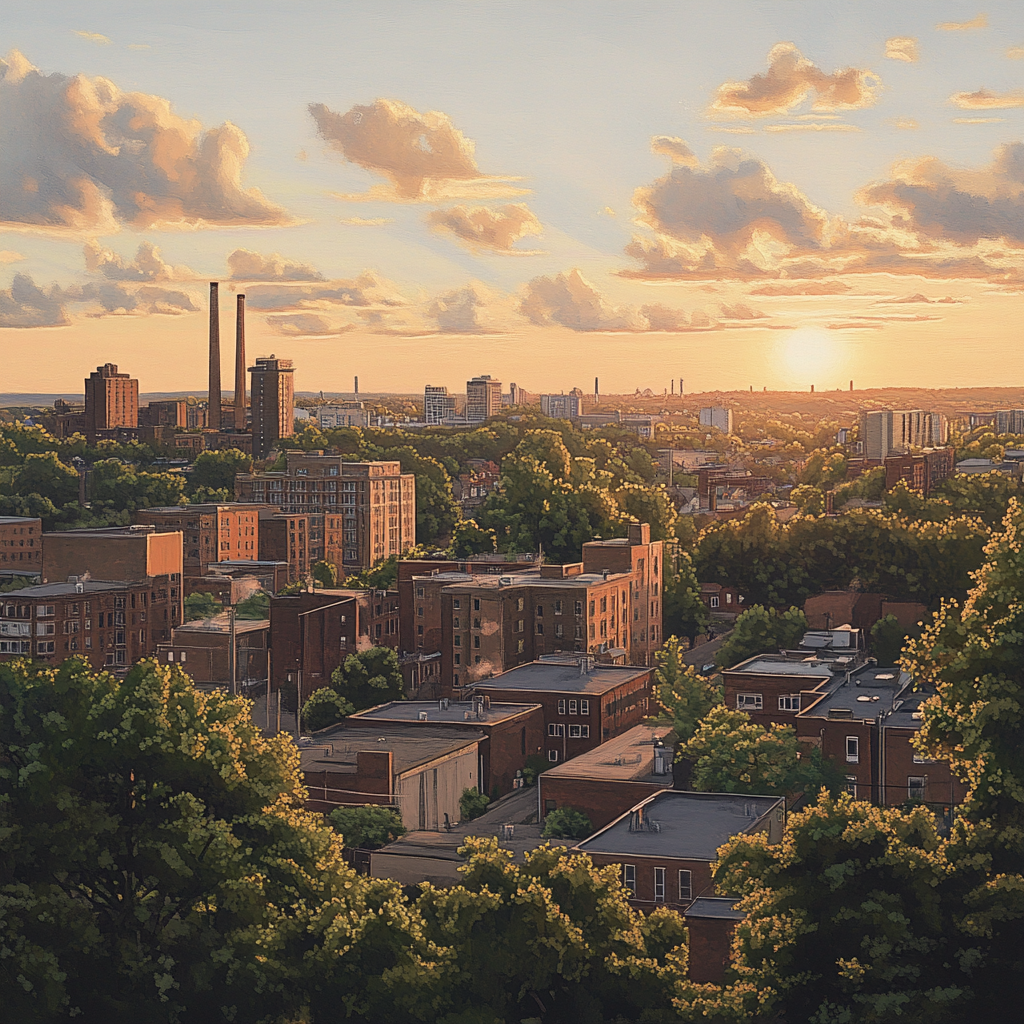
x=146, y=530
x=9, y=520
x=494, y=581
x=205, y=507
x=862, y=695
x=780, y=665
x=444, y=711
x=335, y=749
x=683, y=825
x=624, y=758
x=719, y=907
x=222, y=624
x=67, y=589
x=565, y=675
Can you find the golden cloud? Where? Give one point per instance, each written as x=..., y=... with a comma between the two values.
x=246, y=265
x=87, y=157
x=901, y=48
x=368, y=290
x=10, y=256
x=981, y=21
x=803, y=288
x=93, y=37
x=482, y=228
x=984, y=99
x=306, y=325
x=675, y=149
x=148, y=265
x=788, y=82
x=425, y=157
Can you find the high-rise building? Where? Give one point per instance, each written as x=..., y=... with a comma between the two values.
x=876, y=433
x=717, y=417
x=483, y=398
x=368, y=508
x=1009, y=421
x=918, y=428
x=111, y=400
x=273, y=403
x=344, y=414
x=561, y=407
x=438, y=405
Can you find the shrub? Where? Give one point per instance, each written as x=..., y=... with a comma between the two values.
x=567, y=823
x=369, y=827
x=324, y=708
x=472, y=803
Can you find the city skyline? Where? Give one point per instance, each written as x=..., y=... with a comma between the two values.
x=800, y=196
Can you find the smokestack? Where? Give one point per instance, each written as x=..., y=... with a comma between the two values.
x=240, y=364
x=851, y=385
x=597, y=390
x=357, y=387
x=213, y=413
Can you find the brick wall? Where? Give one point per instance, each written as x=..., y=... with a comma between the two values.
x=601, y=800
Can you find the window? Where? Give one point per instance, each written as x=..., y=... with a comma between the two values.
x=44, y=610
x=659, y=885
x=728, y=598
x=556, y=729
x=584, y=707
x=540, y=629
x=559, y=630
x=574, y=707
x=540, y=609
x=685, y=885
x=629, y=878
x=45, y=629
x=457, y=641
x=476, y=642
x=591, y=607
x=853, y=749
x=790, y=703
x=749, y=702
x=476, y=623
x=579, y=607
x=579, y=732
x=915, y=788
x=455, y=622
x=558, y=607
x=476, y=604
x=419, y=631
x=561, y=707
x=170, y=655
x=552, y=755
x=45, y=647
x=520, y=646
x=714, y=602
x=520, y=605
x=456, y=604
x=851, y=785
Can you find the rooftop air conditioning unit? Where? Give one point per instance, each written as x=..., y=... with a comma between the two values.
x=423, y=716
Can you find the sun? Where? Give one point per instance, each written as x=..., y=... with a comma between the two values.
x=811, y=355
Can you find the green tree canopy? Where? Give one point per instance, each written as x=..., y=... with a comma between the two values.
x=469, y=538
x=369, y=827
x=682, y=690
x=472, y=803
x=202, y=605
x=368, y=678
x=567, y=823
x=217, y=470
x=760, y=631
x=683, y=612
x=122, y=487
x=325, y=574
x=324, y=708
x=44, y=474
x=255, y=606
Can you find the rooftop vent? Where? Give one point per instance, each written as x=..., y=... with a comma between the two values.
x=423, y=716
x=443, y=704
x=840, y=712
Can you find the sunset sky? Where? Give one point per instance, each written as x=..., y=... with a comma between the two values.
x=736, y=193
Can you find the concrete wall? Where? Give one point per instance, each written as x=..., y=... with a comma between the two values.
x=425, y=794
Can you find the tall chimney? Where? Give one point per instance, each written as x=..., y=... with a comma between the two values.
x=213, y=413
x=240, y=364
x=597, y=390
x=357, y=387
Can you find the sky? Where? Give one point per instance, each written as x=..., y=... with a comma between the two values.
x=738, y=194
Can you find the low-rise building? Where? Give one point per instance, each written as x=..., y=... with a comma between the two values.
x=21, y=548
x=665, y=845
x=271, y=576
x=511, y=732
x=607, y=781
x=342, y=414
x=585, y=702
x=921, y=471
x=211, y=532
x=203, y=649
x=285, y=537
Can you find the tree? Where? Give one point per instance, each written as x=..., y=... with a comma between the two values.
x=732, y=754
x=368, y=678
x=121, y=487
x=683, y=611
x=567, y=823
x=217, y=470
x=681, y=690
x=44, y=474
x=652, y=505
x=383, y=576
x=202, y=605
x=369, y=827
x=158, y=860
x=808, y=499
x=469, y=538
x=255, y=606
x=472, y=803
x=758, y=631
x=324, y=708
x=325, y=574
x=888, y=638
x=846, y=919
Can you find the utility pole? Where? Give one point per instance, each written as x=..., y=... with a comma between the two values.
x=232, y=654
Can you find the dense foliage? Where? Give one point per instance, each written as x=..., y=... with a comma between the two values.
x=368, y=678
x=369, y=827
x=762, y=631
x=567, y=823
x=681, y=690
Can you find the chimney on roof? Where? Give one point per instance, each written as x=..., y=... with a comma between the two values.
x=240, y=364
x=213, y=412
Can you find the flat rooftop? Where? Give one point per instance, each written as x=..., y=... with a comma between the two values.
x=500, y=581
x=624, y=758
x=222, y=624
x=65, y=589
x=14, y=520
x=779, y=665
x=146, y=530
x=335, y=750
x=688, y=826
x=721, y=908
x=866, y=694
x=457, y=712
x=560, y=677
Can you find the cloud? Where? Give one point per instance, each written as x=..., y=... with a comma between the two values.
x=978, y=120
x=25, y=304
x=297, y=325
x=366, y=222
x=939, y=202
x=115, y=298
x=1015, y=53
x=367, y=290
x=83, y=156
x=919, y=298
x=981, y=21
x=424, y=156
x=907, y=124
x=803, y=288
x=139, y=46
x=93, y=37
x=854, y=325
x=675, y=149
x=10, y=256
x=491, y=230
x=569, y=300
x=148, y=265
x=984, y=99
x=789, y=80
x=246, y=265
x=473, y=309
x=742, y=312
x=811, y=127
x=901, y=48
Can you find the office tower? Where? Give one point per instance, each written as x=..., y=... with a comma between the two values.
x=876, y=433
x=240, y=365
x=213, y=411
x=918, y=428
x=717, y=417
x=483, y=398
x=438, y=405
x=561, y=407
x=273, y=403
x=111, y=400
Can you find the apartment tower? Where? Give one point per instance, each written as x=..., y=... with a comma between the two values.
x=273, y=403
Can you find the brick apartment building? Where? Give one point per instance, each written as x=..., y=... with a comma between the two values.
x=21, y=549
x=369, y=507
x=111, y=624
x=585, y=703
x=170, y=413
x=483, y=622
x=863, y=717
x=211, y=532
x=313, y=632
x=284, y=537
x=111, y=401
x=607, y=781
x=665, y=846
x=204, y=650
x=922, y=471
x=511, y=732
